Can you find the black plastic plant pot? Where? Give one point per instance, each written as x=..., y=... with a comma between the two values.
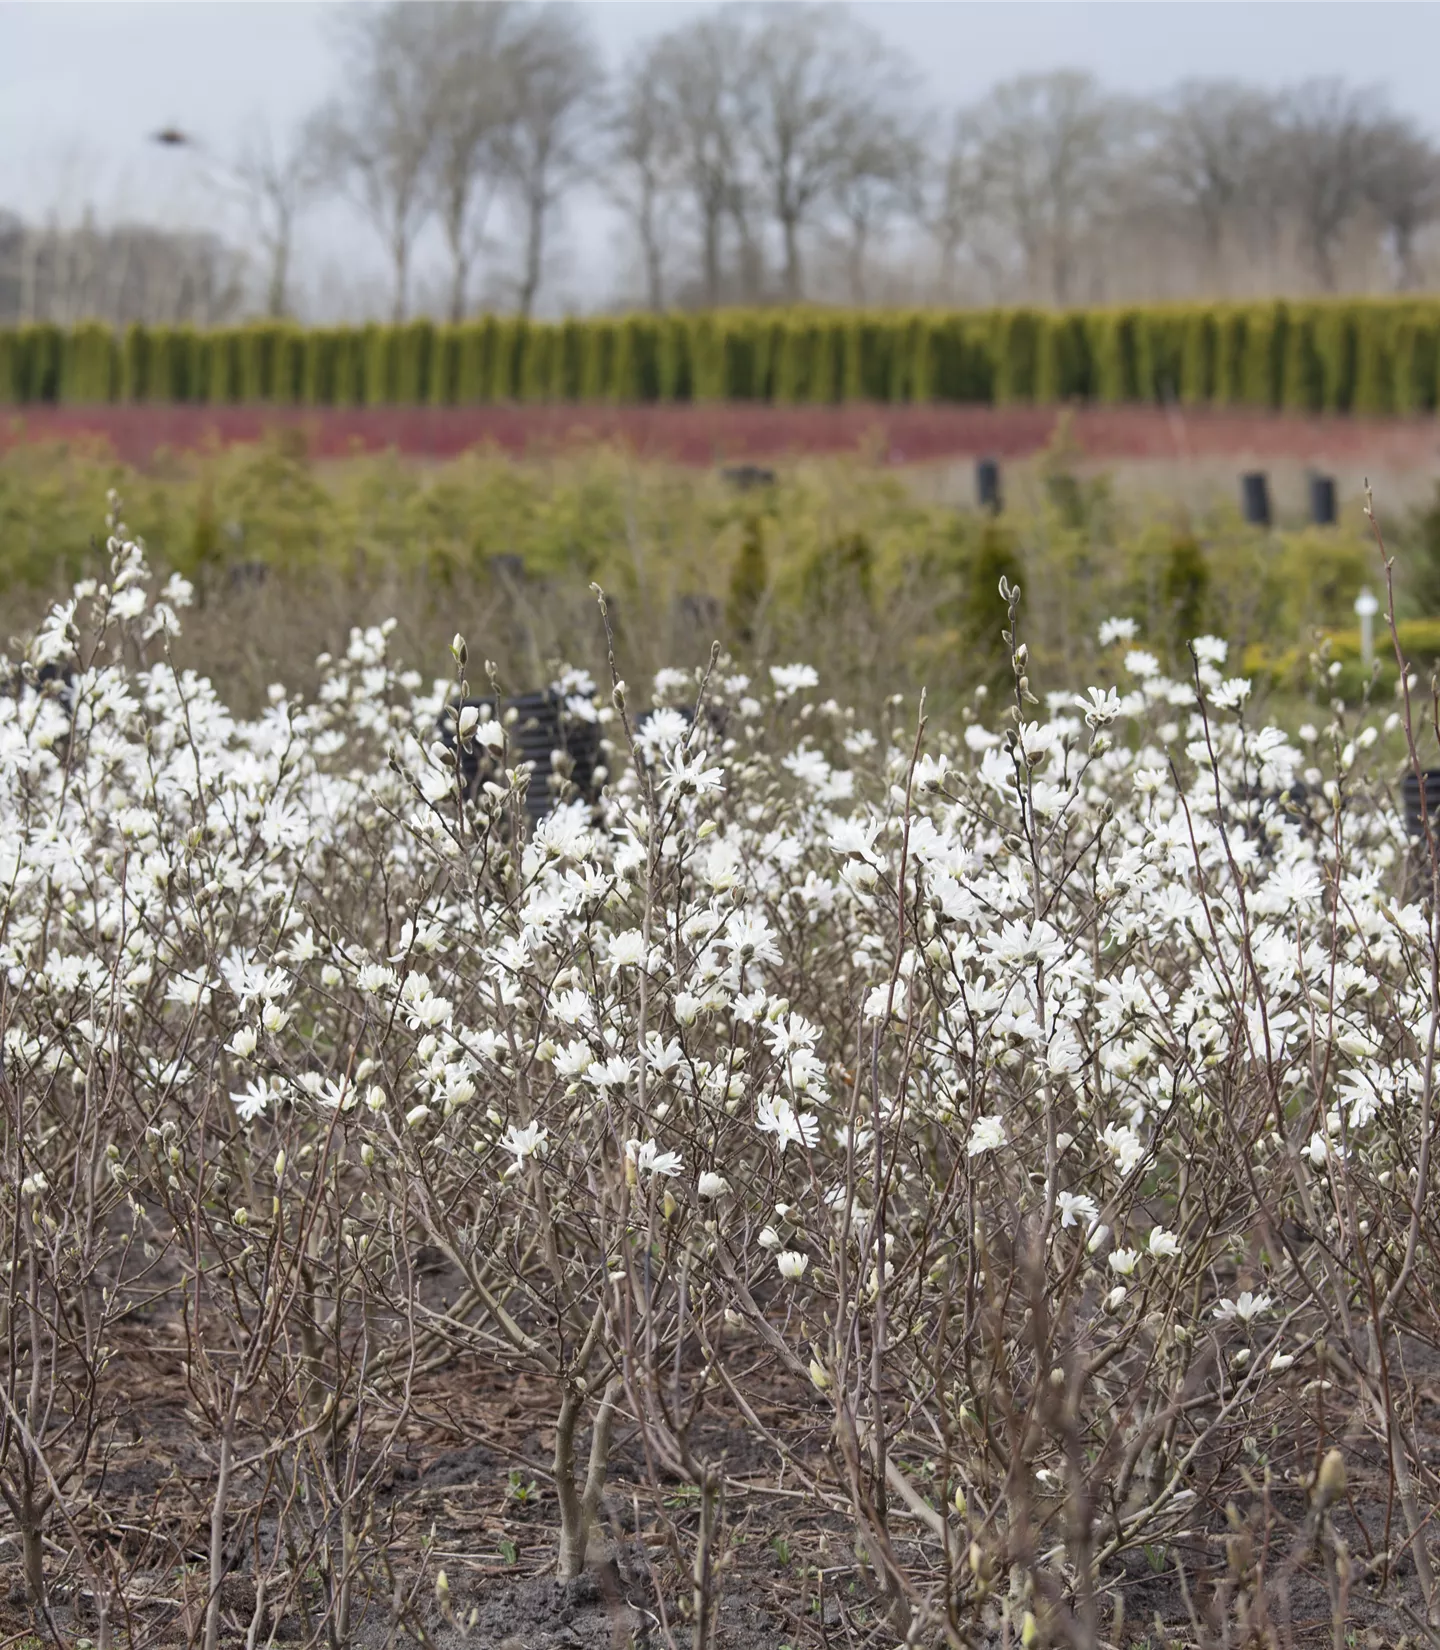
x=1322, y=500
x=1410, y=794
x=987, y=486
x=1255, y=498
x=540, y=727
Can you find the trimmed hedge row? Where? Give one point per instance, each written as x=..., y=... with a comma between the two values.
x=1357, y=356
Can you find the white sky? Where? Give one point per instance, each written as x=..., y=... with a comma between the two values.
x=83, y=84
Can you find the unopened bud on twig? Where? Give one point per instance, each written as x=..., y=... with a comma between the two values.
x=1331, y=1483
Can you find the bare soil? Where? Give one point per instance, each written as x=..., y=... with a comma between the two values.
x=790, y=1576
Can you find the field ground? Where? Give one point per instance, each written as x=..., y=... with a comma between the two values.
x=467, y=1487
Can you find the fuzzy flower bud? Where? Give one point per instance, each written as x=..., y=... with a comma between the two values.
x=1331, y=1483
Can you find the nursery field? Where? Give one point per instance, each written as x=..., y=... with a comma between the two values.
x=871, y=1085
x=848, y=558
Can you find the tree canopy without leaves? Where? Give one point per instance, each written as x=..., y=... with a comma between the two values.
x=699, y=78
x=378, y=140
x=556, y=84
x=275, y=179
x=474, y=103
x=644, y=168
x=763, y=153
x=1403, y=187
x=822, y=91
x=1214, y=160
x=1048, y=153
x=1329, y=151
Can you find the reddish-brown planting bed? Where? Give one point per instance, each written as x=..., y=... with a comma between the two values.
x=695, y=434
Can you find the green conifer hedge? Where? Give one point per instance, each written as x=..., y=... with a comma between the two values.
x=1338, y=356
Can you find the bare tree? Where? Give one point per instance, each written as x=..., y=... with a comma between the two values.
x=879, y=179
x=274, y=182
x=644, y=151
x=1403, y=189
x=1048, y=148
x=824, y=88
x=1214, y=158
x=379, y=141
x=954, y=199
x=557, y=83
x=1331, y=137
x=699, y=75
x=475, y=104
x=117, y=274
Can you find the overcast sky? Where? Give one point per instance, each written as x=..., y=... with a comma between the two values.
x=82, y=85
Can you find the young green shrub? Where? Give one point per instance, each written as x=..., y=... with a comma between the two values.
x=1184, y=595
x=749, y=583
x=984, y=654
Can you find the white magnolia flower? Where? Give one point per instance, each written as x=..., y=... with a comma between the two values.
x=711, y=1184
x=1118, y=630
x=690, y=777
x=524, y=1142
x=987, y=1134
x=626, y=950
x=251, y=1101
x=649, y=1159
x=1163, y=1245
x=1075, y=1207
x=1124, y=1261
x=1244, y=1310
x=777, y=1116
x=792, y=1264
x=1101, y=707
x=242, y=1044
x=792, y=678
x=1232, y=694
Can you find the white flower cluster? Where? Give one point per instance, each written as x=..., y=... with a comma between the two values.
x=795, y=1036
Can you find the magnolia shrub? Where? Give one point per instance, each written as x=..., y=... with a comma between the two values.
x=1042, y=1107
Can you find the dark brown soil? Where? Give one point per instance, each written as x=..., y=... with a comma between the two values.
x=790, y=1576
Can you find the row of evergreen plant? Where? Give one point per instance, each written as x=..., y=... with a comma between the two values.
x=1345, y=356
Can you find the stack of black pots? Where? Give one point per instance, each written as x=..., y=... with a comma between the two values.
x=540, y=729
x=1410, y=793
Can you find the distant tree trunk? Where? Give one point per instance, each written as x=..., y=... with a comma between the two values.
x=459, y=281
x=859, y=245
x=650, y=247
x=277, y=298
x=534, y=256
x=712, y=253
x=791, y=229
x=1403, y=235
x=400, y=262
